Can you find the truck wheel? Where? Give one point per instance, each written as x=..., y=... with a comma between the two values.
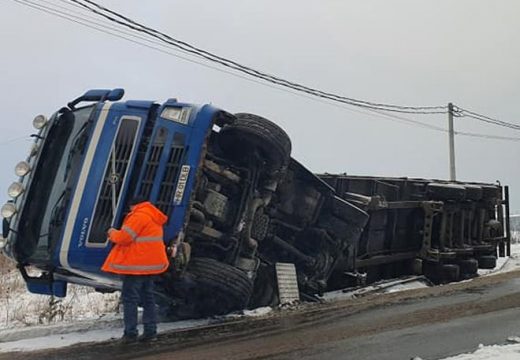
x=220, y=288
x=250, y=131
x=468, y=268
x=431, y=270
x=264, y=293
x=450, y=272
x=487, y=262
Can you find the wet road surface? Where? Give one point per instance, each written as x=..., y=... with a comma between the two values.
x=431, y=323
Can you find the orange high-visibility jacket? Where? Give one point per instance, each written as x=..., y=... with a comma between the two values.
x=139, y=246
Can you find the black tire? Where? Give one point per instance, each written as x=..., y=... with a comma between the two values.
x=440, y=191
x=468, y=267
x=265, y=290
x=431, y=270
x=487, y=262
x=252, y=131
x=450, y=273
x=220, y=288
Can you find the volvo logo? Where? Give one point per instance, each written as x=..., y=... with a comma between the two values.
x=114, y=178
x=83, y=233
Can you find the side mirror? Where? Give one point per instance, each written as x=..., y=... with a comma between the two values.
x=98, y=95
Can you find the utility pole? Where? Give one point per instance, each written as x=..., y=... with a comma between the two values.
x=452, y=142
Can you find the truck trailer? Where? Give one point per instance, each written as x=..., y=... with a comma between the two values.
x=238, y=206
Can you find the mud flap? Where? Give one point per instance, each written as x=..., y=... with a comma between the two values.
x=287, y=283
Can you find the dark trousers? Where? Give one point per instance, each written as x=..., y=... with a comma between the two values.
x=138, y=289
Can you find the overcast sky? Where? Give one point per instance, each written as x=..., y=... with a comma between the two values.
x=403, y=52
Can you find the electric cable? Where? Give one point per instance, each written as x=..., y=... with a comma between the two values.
x=129, y=23
x=85, y=20
x=471, y=114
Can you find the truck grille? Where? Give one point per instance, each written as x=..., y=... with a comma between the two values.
x=176, y=158
x=150, y=170
x=175, y=162
x=123, y=145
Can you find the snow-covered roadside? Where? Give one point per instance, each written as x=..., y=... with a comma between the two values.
x=62, y=335
x=87, y=316
x=492, y=352
x=19, y=308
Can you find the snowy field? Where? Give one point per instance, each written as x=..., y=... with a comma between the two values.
x=34, y=322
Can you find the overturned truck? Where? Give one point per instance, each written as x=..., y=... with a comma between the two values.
x=238, y=206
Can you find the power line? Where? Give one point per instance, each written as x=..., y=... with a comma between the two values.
x=94, y=25
x=84, y=20
x=471, y=114
x=484, y=136
x=135, y=26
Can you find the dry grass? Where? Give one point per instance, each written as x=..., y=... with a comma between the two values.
x=6, y=264
x=18, y=307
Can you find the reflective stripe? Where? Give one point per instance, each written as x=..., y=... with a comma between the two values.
x=148, y=238
x=138, y=267
x=130, y=232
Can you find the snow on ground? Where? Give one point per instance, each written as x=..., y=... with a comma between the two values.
x=82, y=334
x=491, y=352
x=34, y=322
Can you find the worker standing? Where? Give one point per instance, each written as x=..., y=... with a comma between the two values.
x=138, y=255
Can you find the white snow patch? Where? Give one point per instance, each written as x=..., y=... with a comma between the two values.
x=110, y=332
x=261, y=311
x=386, y=286
x=20, y=308
x=491, y=352
x=505, y=264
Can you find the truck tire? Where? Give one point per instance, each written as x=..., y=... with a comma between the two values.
x=220, y=288
x=450, y=273
x=487, y=262
x=468, y=268
x=431, y=270
x=252, y=131
x=265, y=293
x=440, y=191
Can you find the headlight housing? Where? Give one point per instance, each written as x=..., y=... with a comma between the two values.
x=15, y=189
x=39, y=122
x=22, y=168
x=8, y=210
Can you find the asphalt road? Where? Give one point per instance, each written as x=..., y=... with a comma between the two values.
x=431, y=323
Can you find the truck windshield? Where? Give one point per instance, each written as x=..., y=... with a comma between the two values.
x=47, y=199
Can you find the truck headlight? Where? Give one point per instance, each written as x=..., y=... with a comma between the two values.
x=22, y=168
x=8, y=210
x=15, y=190
x=3, y=242
x=39, y=122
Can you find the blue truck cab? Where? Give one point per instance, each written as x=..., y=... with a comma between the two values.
x=85, y=162
x=217, y=177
